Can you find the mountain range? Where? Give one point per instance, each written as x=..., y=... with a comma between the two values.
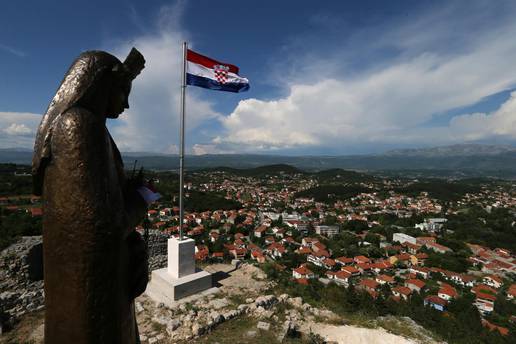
x=462, y=159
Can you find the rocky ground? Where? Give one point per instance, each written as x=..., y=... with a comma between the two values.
x=21, y=284
x=241, y=310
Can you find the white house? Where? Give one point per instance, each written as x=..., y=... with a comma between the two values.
x=302, y=272
x=402, y=237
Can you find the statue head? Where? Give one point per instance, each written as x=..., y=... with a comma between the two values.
x=96, y=81
x=106, y=91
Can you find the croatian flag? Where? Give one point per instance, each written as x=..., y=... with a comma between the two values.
x=205, y=72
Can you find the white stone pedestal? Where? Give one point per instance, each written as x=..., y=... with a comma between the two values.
x=180, y=278
x=181, y=257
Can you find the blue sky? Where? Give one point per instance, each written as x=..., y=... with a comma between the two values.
x=331, y=78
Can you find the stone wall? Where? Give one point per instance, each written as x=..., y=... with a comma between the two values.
x=21, y=274
x=21, y=278
x=157, y=250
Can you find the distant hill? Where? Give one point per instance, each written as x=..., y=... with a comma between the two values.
x=324, y=193
x=259, y=171
x=453, y=150
x=461, y=161
x=15, y=156
x=340, y=175
x=442, y=190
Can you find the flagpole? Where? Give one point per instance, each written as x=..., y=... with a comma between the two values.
x=182, y=143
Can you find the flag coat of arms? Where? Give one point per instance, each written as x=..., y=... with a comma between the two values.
x=205, y=72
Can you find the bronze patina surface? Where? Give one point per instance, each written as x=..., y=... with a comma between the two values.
x=95, y=264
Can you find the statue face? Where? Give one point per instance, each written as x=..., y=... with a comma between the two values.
x=118, y=99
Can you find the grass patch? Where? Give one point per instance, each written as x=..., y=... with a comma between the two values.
x=236, y=299
x=235, y=331
x=23, y=330
x=158, y=327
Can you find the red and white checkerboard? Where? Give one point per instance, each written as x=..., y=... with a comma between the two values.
x=221, y=73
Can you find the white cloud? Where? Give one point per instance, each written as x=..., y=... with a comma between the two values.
x=202, y=149
x=12, y=50
x=152, y=122
x=442, y=62
x=388, y=104
x=172, y=149
x=479, y=126
x=17, y=129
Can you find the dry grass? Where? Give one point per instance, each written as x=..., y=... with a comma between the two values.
x=28, y=331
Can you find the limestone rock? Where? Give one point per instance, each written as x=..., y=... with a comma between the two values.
x=295, y=301
x=160, y=319
x=283, y=297
x=306, y=307
x=216, y=317
x=243, y=308
x=173, y=325
x=262, y=325
x=139, y=307
x=198, y=329
x=265, y=301
x=218, y=303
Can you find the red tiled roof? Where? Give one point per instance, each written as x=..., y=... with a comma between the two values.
x=418, y=283
x=482, y=288
x=492, y=327
x=438, y=246
x=512, y=290
x=484, y=296
x=495, y=278
x=369, y=283
x=256, y=254
x=321, y=253
x=342, y=274
x=302, y=270
x=320, y=246
x=344, y=260
x=302, y=281
x=382, y=265
x=329, y=262
x=304, y=250
x=350, y=269
x=436, y=299
x=451, y=292
x=386, y=278
x=402, y=290
x=36, y=212
x=364, y=266
x=467, y=278
x=361, y=259
x=425, y=239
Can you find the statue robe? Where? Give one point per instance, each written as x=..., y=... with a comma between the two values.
x=89, y=215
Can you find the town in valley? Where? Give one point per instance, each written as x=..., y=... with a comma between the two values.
x=441, y=251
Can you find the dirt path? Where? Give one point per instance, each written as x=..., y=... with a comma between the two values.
x=356, y=335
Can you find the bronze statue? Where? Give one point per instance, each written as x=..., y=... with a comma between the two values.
x=95, y=264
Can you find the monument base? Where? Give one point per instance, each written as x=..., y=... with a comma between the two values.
x=164, y=288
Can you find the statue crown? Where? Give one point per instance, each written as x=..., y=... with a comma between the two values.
x=134, y=63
